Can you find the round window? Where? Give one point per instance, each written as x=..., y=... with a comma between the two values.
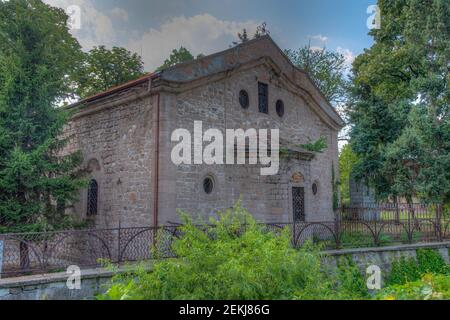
x=314, y=188
x=280, y=108
x=208, y=185
x=243, y=99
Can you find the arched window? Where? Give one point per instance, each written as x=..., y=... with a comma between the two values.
x=92, y=198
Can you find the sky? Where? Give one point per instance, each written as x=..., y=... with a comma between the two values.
x=153, y=28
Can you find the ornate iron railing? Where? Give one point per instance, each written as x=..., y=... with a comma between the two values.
x=365, y=226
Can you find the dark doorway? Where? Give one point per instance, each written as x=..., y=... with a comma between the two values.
x=298, y=204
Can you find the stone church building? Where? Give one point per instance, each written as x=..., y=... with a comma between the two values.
x=125, y=134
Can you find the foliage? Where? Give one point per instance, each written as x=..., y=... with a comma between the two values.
x=37, y=58
x=178, y=56
x=316, y=146
x=400, y=99
x=326, y=68
x=409, y=270
x=352, y=283
x=103, y=68
x=430, y=261
x=232, y=258
x=347, y=159
x=429, y=287
x=403, y=270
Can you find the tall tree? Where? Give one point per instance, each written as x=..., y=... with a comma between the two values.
x=104, y=68
x=177, y=56
x=326, y=68
x=37, y=59
x=347, y=160
x=400, y=109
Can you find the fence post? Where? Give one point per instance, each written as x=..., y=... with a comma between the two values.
x=410, y=227
x=337, y=232
x=438, y=213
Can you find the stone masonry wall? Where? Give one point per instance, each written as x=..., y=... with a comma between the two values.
x=268, y=198
x=116, y=144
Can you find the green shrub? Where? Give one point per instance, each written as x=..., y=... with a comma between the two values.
x=352, y=284
x=228, y=261
x=410, y=270
x=429, y=287
x=403, y=270
x=430, y=261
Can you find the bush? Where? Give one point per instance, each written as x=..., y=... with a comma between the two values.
x=233, y=258
x=403, y=271
x=352, y=283
x=410, y=270
x=430, y=261
x=429, y=287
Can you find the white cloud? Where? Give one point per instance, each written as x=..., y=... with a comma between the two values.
x=120, y=14
x=319, y=37
x=202, y=33
x=348, y=55
x=199, y=34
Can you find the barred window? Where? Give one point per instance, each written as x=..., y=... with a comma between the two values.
x=92, y=198
x=263, y=94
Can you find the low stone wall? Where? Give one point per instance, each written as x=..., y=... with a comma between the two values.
x=383, y=257
x=54, y=286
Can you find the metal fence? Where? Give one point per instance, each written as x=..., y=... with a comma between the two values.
x=31, y=253
x=365, y=226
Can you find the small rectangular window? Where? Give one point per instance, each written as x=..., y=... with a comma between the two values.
x=263, y=94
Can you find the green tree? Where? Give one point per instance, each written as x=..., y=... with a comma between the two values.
x=104, y=68
x=347, y=160
x=326, y=68
x=37, y=58
x=178, y=56
x=400, y=102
